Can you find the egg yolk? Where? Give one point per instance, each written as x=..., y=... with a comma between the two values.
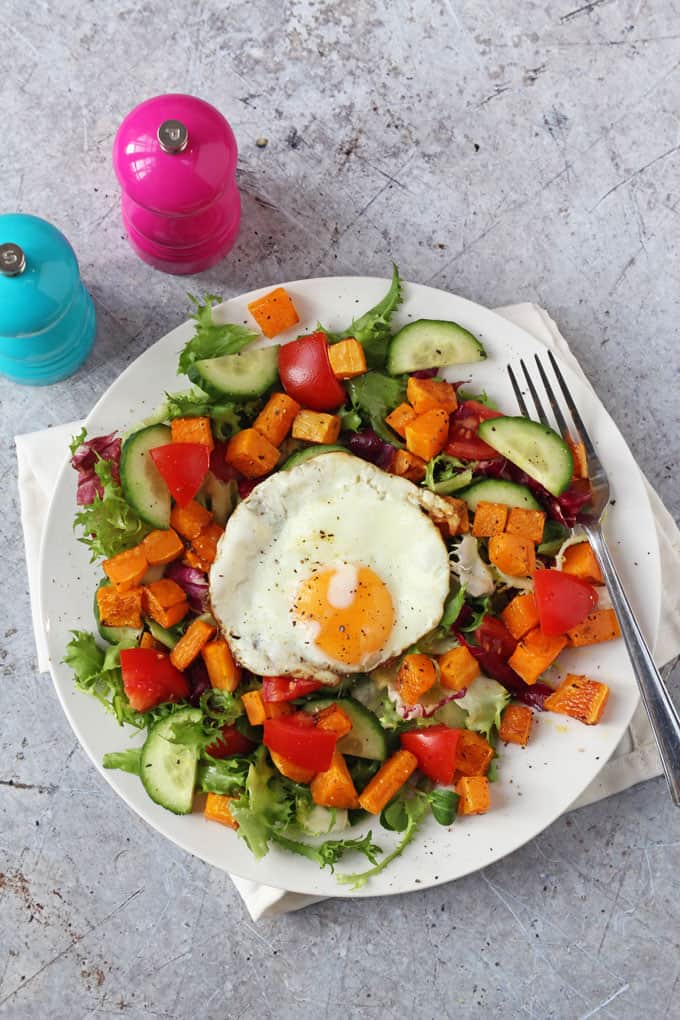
x=351, y=608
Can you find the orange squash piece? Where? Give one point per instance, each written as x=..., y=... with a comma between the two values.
x=192, y=430
x=534, y=653
x=579, y=697
x=427, y=435
x=490, y=519
x=335, y=719
x=165, y=602
x=526, y=523
x=347, y=359
x=192, y=559
x=162, y=547
x=457, y=668
x=316, y=427
x=334, y=788
x=430, y=395
x=408, y=466
x=521, y=615
x=513, y=554
x=189, y=646
x=275, y=420
x=126, y=569
x=580, y=561
x=475, y=795
x=190, y=520
x=274, y=312
x=119, y=608
x=473, y=754
x=205, y=544
x=251, y=454
x=578, y=452
x=223, y=671
x=290, y=770
x=400, y=417
x=417, y=674
x=217, y=809
x=387, y=781
x=516, y=723
x=599, y=626
x=257, y=709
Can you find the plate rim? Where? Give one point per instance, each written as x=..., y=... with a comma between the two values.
x=187, y=845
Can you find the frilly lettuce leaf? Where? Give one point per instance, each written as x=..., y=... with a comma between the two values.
x=484, y=702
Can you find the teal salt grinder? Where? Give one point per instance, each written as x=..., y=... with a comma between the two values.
x=47, y=320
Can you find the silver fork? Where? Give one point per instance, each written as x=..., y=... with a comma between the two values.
x=655, y=696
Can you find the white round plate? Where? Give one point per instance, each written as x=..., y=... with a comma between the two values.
x=536, y=784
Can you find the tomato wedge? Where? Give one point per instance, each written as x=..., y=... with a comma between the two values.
x=298, y=741
x=286, y=688
x=230, y=742
x=306, y=373
x=563, y=601
x=493, y=636
x=435, y=748
x=183, y=467
x=463, y=441
x=149, y=678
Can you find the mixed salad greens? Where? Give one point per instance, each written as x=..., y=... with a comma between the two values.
x=286, y=761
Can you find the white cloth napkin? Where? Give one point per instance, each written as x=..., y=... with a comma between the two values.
x=42, y=454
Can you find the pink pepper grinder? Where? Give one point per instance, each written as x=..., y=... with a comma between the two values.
x=175, y=159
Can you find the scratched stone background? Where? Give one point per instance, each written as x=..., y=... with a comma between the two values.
x=505, y=151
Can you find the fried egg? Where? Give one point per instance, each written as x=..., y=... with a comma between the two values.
x=328, y=569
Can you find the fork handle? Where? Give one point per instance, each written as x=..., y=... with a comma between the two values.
x=657, y=701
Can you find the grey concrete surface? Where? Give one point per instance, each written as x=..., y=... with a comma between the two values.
x=507, y=151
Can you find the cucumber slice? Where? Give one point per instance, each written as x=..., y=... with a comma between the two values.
x=115, y=635
x=239, y=376
x=366, y=739
x=140, y=479
x=169, y=638
x=534, y=448
x=432, y=343
x=495, y=490
x=300, y=456
x=168, y=770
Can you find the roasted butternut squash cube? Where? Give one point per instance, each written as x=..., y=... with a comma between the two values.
x=513, y=554
x=316, y=427
x=190, y=520
x=516, y=723
x=598, y=626
x=580, y=561
x=290, y=770
x=119, y=608
x=161, y=547
x=408, y=466
x=165, y=602
x=526, y=523
x=400, y=417
x=335, y=788
x=431, y=395
x=223, y=671
x=274, y=312
x=251, y=454
x=126, y=569
x=192, y=430
x=335, y=719
x=205, y=544
x=427, y=435
x=387, y=781
x=521, y=615
x=276, y=418
x=347, y=359
x=457, y=668
x=490, y=519
x=475, y=796
x=217, y=809
x=579, y=697
x=473, y=754
x=189, y=646
x=417, y=674
x=534, y=653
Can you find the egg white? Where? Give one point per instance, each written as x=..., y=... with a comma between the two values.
x=331, y=510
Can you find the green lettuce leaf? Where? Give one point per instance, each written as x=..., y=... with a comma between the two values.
x=484, y=702
x=372, y=329
x=328, y=853
x=452, y=607
x=126, y=761
x=445, y=475
x=373, y=396
x=226, y=776
x=109, y=524
x=263, y=807
x=227, y=417
x=444, y=804
x=416, y=808
x=212, y=339
x=480, y=398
